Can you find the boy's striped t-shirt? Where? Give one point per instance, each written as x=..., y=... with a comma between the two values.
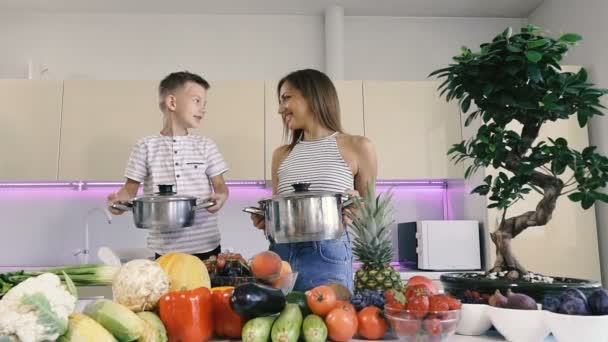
x=188, y=163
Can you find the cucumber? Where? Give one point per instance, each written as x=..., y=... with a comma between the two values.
x=257, y=329
x=123, y=323
x=288, y=325
x=314, y=329
x=296, y=297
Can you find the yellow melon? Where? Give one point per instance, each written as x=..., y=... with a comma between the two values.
x=186, y=271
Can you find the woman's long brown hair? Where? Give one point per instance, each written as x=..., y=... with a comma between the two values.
x=322, y=98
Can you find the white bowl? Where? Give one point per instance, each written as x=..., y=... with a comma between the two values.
x=519, y=325
x=474, y=320
x=567, y=328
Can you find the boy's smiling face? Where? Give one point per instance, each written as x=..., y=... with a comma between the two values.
x=188, y=105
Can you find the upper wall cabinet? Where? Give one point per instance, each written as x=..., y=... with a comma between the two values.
x=412, y=129
x=351, y=108
x=235, y=121
x=29, y=130
x=101, y=122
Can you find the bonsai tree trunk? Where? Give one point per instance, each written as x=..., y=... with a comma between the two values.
x=511, y=227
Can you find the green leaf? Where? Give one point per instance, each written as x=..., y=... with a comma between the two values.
x=70, y=285
x=46, y=316
x=537, y=43
x=600, y=196
x=587, y=202
x=582, y=118
x=533, y=56
x=466, y=104
x=481, y=189
x=570, y=37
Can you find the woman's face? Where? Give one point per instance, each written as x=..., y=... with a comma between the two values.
x=294, y=108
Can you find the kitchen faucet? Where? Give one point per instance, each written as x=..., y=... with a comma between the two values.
x=85, y=252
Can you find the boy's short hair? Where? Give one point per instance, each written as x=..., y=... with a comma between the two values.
x=177, y=80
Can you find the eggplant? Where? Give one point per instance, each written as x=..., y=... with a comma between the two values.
x=255, y=300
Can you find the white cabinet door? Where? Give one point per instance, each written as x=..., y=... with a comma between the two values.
x=101, y=122
x=412, y=129
x=235, y=121
x=30, y=116
x=351, y=108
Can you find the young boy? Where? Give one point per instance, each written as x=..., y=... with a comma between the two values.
x=191, y=163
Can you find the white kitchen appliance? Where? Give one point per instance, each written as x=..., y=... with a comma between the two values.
x=440, y=245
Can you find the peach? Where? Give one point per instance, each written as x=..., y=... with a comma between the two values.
x=285, y=271
x=266, y=266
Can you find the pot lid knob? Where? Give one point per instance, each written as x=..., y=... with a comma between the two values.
x=165, y=189
x=300, y=187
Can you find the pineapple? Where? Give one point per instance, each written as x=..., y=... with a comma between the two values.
x=371, y=227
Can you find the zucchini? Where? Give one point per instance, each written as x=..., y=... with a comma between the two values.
x=257, y=329
x=287, y=327
x=82, y=328
x=314, y=329
x=296, y=297
x=154, y=330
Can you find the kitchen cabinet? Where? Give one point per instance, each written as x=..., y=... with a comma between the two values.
x=102, y=120
x=235, y=121
x=412, y=129
x=29, y=131
x=351, y=108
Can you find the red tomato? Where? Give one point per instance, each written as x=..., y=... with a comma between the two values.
x=341, y=324
x=423, y=280
x=321, y=300
x=372, y=324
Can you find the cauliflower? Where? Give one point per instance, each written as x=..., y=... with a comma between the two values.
x=37, y=309
x=139, y=284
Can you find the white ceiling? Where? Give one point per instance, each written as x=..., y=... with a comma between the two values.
x=413, y=8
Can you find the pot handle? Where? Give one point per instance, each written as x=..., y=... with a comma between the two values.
x=124, y=206
x=348, y=201
x=254, y=210
x=204, y=205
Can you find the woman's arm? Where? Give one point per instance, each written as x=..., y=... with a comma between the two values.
x=367, y=164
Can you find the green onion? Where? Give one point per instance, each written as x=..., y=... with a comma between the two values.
x=90, y=274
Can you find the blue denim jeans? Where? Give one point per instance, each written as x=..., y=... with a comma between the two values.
x=318, y=262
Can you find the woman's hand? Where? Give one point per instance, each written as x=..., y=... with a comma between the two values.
x=258, y=221
x=350, y=210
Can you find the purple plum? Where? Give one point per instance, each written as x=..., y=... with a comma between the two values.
x=598, y=302
x=574, y=306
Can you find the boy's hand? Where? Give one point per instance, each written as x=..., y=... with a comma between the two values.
x=126, y=192
x=219, y=199
x=116, y=198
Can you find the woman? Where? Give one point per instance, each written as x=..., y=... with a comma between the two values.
x=320, y=153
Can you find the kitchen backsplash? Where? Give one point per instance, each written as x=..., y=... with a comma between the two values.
x=46, y=226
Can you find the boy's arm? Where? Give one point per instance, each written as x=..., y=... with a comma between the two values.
x=220, y=193
x=126, y=192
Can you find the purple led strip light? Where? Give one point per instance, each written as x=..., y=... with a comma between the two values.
x=79, y=185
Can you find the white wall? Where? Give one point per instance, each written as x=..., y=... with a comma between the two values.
x=398, y=48
x=587, y=18
x=231, y=47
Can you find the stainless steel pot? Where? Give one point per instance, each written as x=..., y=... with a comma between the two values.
x=163, y=210
x=303, y=215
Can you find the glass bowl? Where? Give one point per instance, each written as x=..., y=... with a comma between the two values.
x=433, y=326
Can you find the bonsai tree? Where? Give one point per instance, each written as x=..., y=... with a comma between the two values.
x=517, y=78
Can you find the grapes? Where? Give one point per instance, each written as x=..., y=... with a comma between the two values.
x=365, y=298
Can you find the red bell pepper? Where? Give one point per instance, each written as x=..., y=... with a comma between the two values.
x=228, y=323
x=188, y=315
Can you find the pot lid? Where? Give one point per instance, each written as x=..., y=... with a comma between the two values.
x=165, y=194
x=301, y=190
